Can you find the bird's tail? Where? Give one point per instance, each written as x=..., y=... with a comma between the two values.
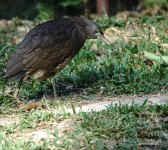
x=17, y=76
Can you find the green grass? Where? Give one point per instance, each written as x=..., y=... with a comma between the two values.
x=122, y=127
x=119, y=69
x=117, y=127
x=31, y=120
x=125, y=126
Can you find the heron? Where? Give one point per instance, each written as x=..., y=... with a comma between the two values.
x=49, y=47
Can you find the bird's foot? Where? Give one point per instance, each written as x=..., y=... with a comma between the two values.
x=18, y=102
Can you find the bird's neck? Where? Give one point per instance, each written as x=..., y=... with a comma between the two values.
x=80, y=26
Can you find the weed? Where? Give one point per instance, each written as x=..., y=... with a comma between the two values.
x=120, y=127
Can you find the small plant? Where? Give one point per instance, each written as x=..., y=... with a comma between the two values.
x=45, y=10
x=120, y=68
x=120, y=127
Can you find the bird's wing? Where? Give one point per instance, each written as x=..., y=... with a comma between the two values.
x=45, y=45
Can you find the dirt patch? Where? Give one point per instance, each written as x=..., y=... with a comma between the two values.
x=45, y=131
x=50, y=130
x=9, y=119
x=102, y=103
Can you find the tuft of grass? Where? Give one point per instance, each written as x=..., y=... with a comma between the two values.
x=32, y=119
x=119, y=68
x=118, y=127
x=121, y=127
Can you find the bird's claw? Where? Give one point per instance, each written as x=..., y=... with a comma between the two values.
x=16, y=99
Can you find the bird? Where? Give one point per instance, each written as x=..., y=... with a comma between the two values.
x=49, y=47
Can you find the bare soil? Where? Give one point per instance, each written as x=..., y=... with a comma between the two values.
x=45, y=130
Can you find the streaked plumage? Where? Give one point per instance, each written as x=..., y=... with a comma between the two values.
x=48, y=47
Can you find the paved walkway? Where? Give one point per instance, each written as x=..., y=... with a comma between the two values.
x=42, y=133
x=152, y=99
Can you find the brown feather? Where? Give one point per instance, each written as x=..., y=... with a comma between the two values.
x=46, y=47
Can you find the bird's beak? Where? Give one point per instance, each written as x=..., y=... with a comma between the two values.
x=102, y=38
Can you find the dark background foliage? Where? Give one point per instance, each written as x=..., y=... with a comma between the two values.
x=29, y=9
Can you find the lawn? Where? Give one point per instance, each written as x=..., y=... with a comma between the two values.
x=97, y=70
x=117, y=127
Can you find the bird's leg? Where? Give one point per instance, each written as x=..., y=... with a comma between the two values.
x=14, y=96
x=17, y=92
x=54, y=86
x=18, y=88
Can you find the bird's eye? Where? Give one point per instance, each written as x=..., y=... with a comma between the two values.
x=95, y=31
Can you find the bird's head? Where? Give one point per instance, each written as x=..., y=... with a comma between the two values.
x=90, y=29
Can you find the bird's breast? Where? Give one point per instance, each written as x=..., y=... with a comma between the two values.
x=42, y=74
x=38, y=74
x=62, y=65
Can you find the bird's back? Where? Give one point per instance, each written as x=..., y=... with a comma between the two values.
x=45, y=50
